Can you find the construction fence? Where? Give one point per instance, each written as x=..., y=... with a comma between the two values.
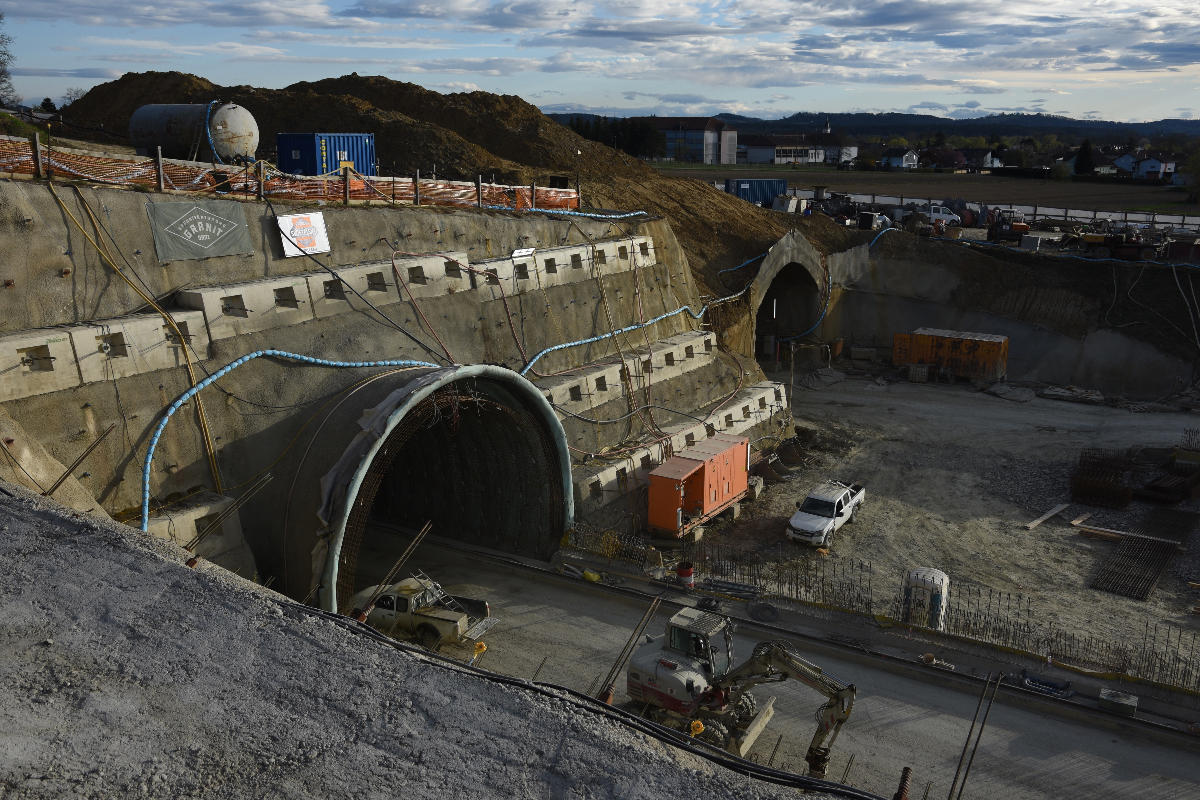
x=1066, y=216
x=261, y=180
x=1160, y=653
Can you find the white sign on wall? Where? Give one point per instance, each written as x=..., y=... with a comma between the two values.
x=303, y=233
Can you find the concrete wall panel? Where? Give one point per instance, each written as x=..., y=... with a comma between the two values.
x=36, y=362
x=241, y=308
x=126, y=346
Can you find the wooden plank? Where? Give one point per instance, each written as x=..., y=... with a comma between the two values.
x=1082, y=518
x=1056, y=510
x=1115, y=535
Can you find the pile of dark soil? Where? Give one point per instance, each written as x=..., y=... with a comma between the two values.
x=461, y=136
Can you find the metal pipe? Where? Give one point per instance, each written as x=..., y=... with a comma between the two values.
x=967, y=742
x=979, y=736
x=86, y=452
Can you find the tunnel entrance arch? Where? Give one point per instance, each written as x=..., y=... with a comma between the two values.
x=477, y=450
x=790, y=307
x=789, y=293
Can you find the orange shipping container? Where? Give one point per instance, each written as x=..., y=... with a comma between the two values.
x=697, y=483
x=962, y=354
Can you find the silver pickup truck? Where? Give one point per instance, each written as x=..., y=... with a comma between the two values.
x=827, y=508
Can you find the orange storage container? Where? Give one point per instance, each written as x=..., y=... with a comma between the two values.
x=962, y=354
x=698, y=483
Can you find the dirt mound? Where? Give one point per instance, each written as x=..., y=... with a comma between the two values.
x=461, y=136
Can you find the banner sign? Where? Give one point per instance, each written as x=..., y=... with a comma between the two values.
x=303, y=233
x=199, y=229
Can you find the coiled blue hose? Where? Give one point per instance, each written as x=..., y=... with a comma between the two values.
x=225, y=370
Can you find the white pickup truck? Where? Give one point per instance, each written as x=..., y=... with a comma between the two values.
x=419, y=607
x=936, y=213
x=827, y=508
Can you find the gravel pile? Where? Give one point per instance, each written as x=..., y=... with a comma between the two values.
x=127, y=674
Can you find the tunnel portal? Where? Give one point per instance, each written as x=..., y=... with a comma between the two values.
x=790, y=306
x=475, y=460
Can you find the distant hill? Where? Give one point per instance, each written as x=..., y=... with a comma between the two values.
x=920, y=125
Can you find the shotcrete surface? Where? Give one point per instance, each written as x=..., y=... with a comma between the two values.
x=127, y=674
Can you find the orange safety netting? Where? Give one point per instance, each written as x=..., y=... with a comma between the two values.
x=16, y=157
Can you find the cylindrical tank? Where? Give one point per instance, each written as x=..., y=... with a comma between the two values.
x=926, y=595
x=179, y=129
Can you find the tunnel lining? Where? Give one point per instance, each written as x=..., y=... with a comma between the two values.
x=361, y=488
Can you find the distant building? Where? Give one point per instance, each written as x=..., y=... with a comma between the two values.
x=1144, y=165
x=700, y=140
x=840, y=154
x=899, y=158
x=756, y=149
x=981, y=158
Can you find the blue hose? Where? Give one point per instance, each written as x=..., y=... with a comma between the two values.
x=744, y=263
x=225, y=370
x=208, y=132
x=630, y=328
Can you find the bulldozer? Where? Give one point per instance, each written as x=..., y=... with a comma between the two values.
x=1007, y=225
x=686, y=679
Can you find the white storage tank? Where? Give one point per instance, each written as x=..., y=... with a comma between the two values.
x=180, y=130
x=926, y=596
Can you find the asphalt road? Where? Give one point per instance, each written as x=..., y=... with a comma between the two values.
x=569, y=634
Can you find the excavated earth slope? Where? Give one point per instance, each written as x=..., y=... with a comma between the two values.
x=127, y=674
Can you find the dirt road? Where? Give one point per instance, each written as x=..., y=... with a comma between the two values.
x=953, y=475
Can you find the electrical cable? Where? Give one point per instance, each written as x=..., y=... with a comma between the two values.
x=208, y=131
x=132, y=270
x=206, y=434
x=590, y=705
x=21, y=467
x=388, y=320
x=416, y=306
x=192, y=392
x=743, y=264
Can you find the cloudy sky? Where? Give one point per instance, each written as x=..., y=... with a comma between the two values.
x=1109, y=59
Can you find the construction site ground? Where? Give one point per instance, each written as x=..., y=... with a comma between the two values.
x=568, y=632
x=953, y=475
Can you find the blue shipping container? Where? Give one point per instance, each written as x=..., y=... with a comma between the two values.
x=760, y=191
x=323, y=153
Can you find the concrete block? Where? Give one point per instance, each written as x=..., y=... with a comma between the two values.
x=118, y=348
x=1118, y=702
x=240, y=308
x=36, y=362
x=225, y=546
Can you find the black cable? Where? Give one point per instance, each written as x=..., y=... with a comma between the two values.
x=626, y=416
x=389, y=321
x=150, y=292
x=586, y=703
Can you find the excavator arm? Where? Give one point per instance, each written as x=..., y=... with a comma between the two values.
x=772, y=662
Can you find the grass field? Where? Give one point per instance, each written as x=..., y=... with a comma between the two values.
x=970, y=187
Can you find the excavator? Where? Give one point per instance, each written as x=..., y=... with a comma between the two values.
x=685, y=679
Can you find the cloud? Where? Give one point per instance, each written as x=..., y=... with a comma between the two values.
x=48, y=72
x=461, y=86
x=140, y=13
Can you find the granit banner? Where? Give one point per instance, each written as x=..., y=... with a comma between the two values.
x=199, y=229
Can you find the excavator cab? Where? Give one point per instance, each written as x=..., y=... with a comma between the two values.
x=706, y=639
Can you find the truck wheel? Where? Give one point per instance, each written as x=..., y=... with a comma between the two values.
x=745, y=710
x=428, y=636
x=854, y=513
